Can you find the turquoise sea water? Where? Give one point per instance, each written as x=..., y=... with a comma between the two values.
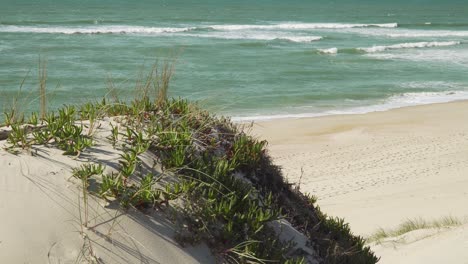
x=249, y=59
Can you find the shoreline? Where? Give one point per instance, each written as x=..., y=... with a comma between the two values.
x=358, y=110
x=377, y=170
x=259, y=126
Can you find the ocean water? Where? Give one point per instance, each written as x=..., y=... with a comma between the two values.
x=247, y=59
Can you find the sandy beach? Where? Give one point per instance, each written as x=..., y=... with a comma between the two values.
x=379, y=169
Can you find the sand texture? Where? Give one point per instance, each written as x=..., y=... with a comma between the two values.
x=379, y=169
x=42, y=212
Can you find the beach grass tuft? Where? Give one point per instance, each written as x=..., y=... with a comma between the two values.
x=412, y=225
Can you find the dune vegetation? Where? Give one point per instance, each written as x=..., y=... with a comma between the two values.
x=218, y=181
x=414, y=224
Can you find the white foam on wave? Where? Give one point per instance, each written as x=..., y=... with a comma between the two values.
x=126, y=29
x=432, y=56
x=328, y=51
x=428, y=34
x=397, y=101
x=406, y=33
x=433, y=85
x=94, y=30
x=301, y=38
x=182, y=31
x=249, y=35
x=301, y=26
x=410, y=45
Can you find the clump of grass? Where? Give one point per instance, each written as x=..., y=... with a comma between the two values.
x=33, y=119
x=84, y=173
x=414, y=224
x=61, y=129
x=163, y=83
x=14, y=112
x=12, y=117
x=91, y=113
x=114, y=136
x=19, y=137
x=66, y=134
x=129, y=186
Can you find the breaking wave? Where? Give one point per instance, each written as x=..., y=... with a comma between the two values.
x=94, y=30
x=302, y=26
x=328, y=51
x=410, y=45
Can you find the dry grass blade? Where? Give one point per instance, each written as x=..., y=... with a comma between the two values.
x=42, y=87
x=163, y=82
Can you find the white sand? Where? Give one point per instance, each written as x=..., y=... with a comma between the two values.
x=379, y=169
x=40, y=208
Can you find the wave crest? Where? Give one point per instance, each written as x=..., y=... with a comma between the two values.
x=254, y=36
x=303, y=39
x=301, y=26
x=328, y=51
x=94, y=30
x=428, y=34
x=410, y=45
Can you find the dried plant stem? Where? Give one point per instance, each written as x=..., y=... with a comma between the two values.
x=163, y=82
x=42, y=87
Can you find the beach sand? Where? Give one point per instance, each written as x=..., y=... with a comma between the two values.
x=42, y=211
x=380, y=169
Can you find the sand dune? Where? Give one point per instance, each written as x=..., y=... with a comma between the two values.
x=42, y=214
x=426, y=246
x=379, y=169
